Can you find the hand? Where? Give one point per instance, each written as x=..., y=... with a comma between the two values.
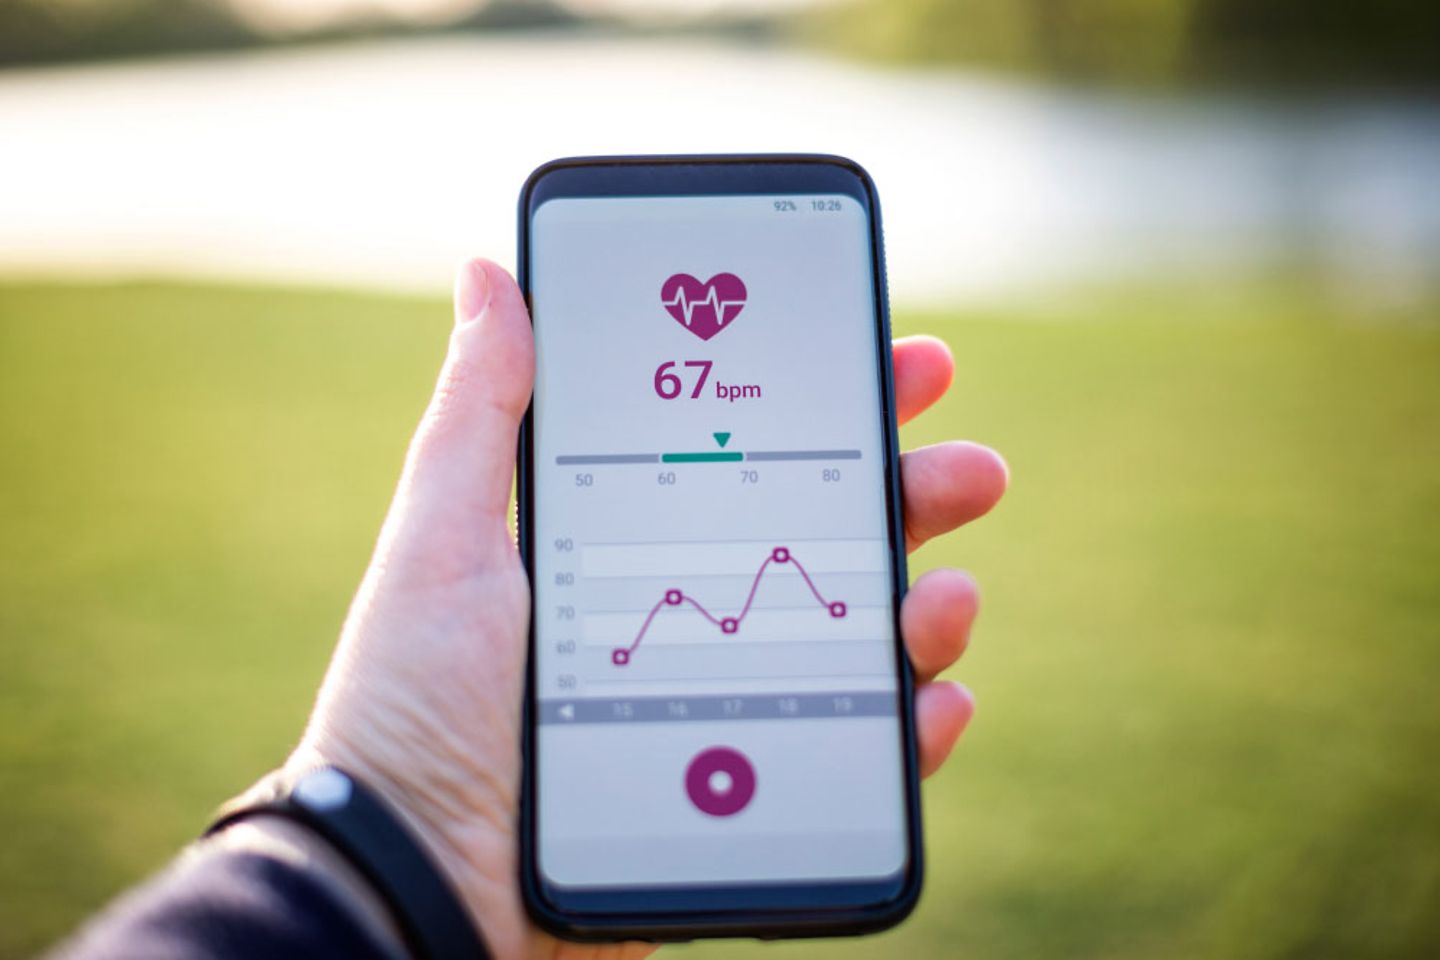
x=422, y=698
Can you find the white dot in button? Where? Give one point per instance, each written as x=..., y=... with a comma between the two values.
x=720, y=783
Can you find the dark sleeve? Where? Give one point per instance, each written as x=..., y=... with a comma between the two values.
x=224, y=904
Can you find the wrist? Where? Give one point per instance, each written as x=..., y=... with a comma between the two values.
x=472, y=848
x=380, y=843
x=303, y=849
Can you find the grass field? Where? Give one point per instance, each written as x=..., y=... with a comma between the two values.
x=1207, y=664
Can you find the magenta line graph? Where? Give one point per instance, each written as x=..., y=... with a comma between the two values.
x=620, y=656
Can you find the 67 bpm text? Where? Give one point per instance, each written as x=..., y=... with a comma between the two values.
x=671, y=375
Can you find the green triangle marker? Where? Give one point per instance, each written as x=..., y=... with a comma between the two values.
x=721, y=438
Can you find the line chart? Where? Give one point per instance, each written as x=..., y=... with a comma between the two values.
x=711, y=299
x=620, y=656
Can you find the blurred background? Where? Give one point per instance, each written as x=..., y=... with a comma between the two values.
x=1187, y=253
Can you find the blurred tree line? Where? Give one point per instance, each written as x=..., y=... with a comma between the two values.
x=1154, y=42
x=1132, y=43
x=35, y=31
x=40, y=31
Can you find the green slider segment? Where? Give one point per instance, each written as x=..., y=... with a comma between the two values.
x=719, y=456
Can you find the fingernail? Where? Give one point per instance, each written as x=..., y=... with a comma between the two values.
x=472, y=292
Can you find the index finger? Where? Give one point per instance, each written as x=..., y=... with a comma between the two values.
x=923, y=371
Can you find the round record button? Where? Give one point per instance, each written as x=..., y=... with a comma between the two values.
x=720, y=781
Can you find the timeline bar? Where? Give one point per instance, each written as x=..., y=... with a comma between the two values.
x=765, y=706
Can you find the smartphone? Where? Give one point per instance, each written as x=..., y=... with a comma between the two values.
x=719, y=734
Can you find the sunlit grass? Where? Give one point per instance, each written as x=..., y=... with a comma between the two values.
x=1205, y=665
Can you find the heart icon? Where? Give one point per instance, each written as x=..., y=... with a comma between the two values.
x=704, y=308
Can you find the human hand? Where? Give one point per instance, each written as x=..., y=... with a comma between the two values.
x=423, y=697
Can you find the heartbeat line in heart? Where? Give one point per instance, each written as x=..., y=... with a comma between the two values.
x=711, y=299
x=620, y=656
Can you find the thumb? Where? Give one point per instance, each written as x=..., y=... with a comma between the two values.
x=450, y=510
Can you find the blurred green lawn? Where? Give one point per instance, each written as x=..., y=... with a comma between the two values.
x=1206, y=666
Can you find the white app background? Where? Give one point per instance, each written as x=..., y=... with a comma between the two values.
x=701, y=740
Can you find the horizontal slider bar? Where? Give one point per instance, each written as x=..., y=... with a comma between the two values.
x=577, y=460
x=803, y=455
x=717, y=457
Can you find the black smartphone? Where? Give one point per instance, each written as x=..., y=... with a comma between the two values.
x=719, y=734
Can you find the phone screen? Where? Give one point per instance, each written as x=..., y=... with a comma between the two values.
x=716, y=676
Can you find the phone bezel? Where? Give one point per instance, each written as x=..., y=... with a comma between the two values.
x=768, y=910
